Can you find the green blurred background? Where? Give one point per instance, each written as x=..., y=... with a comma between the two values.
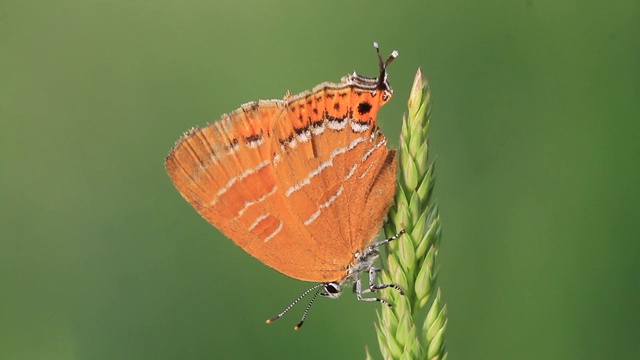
x=535, y=126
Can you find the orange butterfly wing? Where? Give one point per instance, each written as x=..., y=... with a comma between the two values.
x=302, y=184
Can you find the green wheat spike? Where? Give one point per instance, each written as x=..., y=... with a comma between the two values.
x=403, y=330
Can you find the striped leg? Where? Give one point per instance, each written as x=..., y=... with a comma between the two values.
x=375, y=287
x=359, y=292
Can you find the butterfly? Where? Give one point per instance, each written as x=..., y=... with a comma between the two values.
x=302, y=184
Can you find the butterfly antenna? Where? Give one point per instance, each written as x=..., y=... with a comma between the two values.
x=306, y=311
x=294, y=303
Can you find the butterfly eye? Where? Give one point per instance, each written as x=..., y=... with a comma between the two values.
x=332, y=288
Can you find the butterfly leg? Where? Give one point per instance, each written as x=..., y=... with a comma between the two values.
x=367, y=258
x=375, y=287
x=359, y=292
x=386, y=241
